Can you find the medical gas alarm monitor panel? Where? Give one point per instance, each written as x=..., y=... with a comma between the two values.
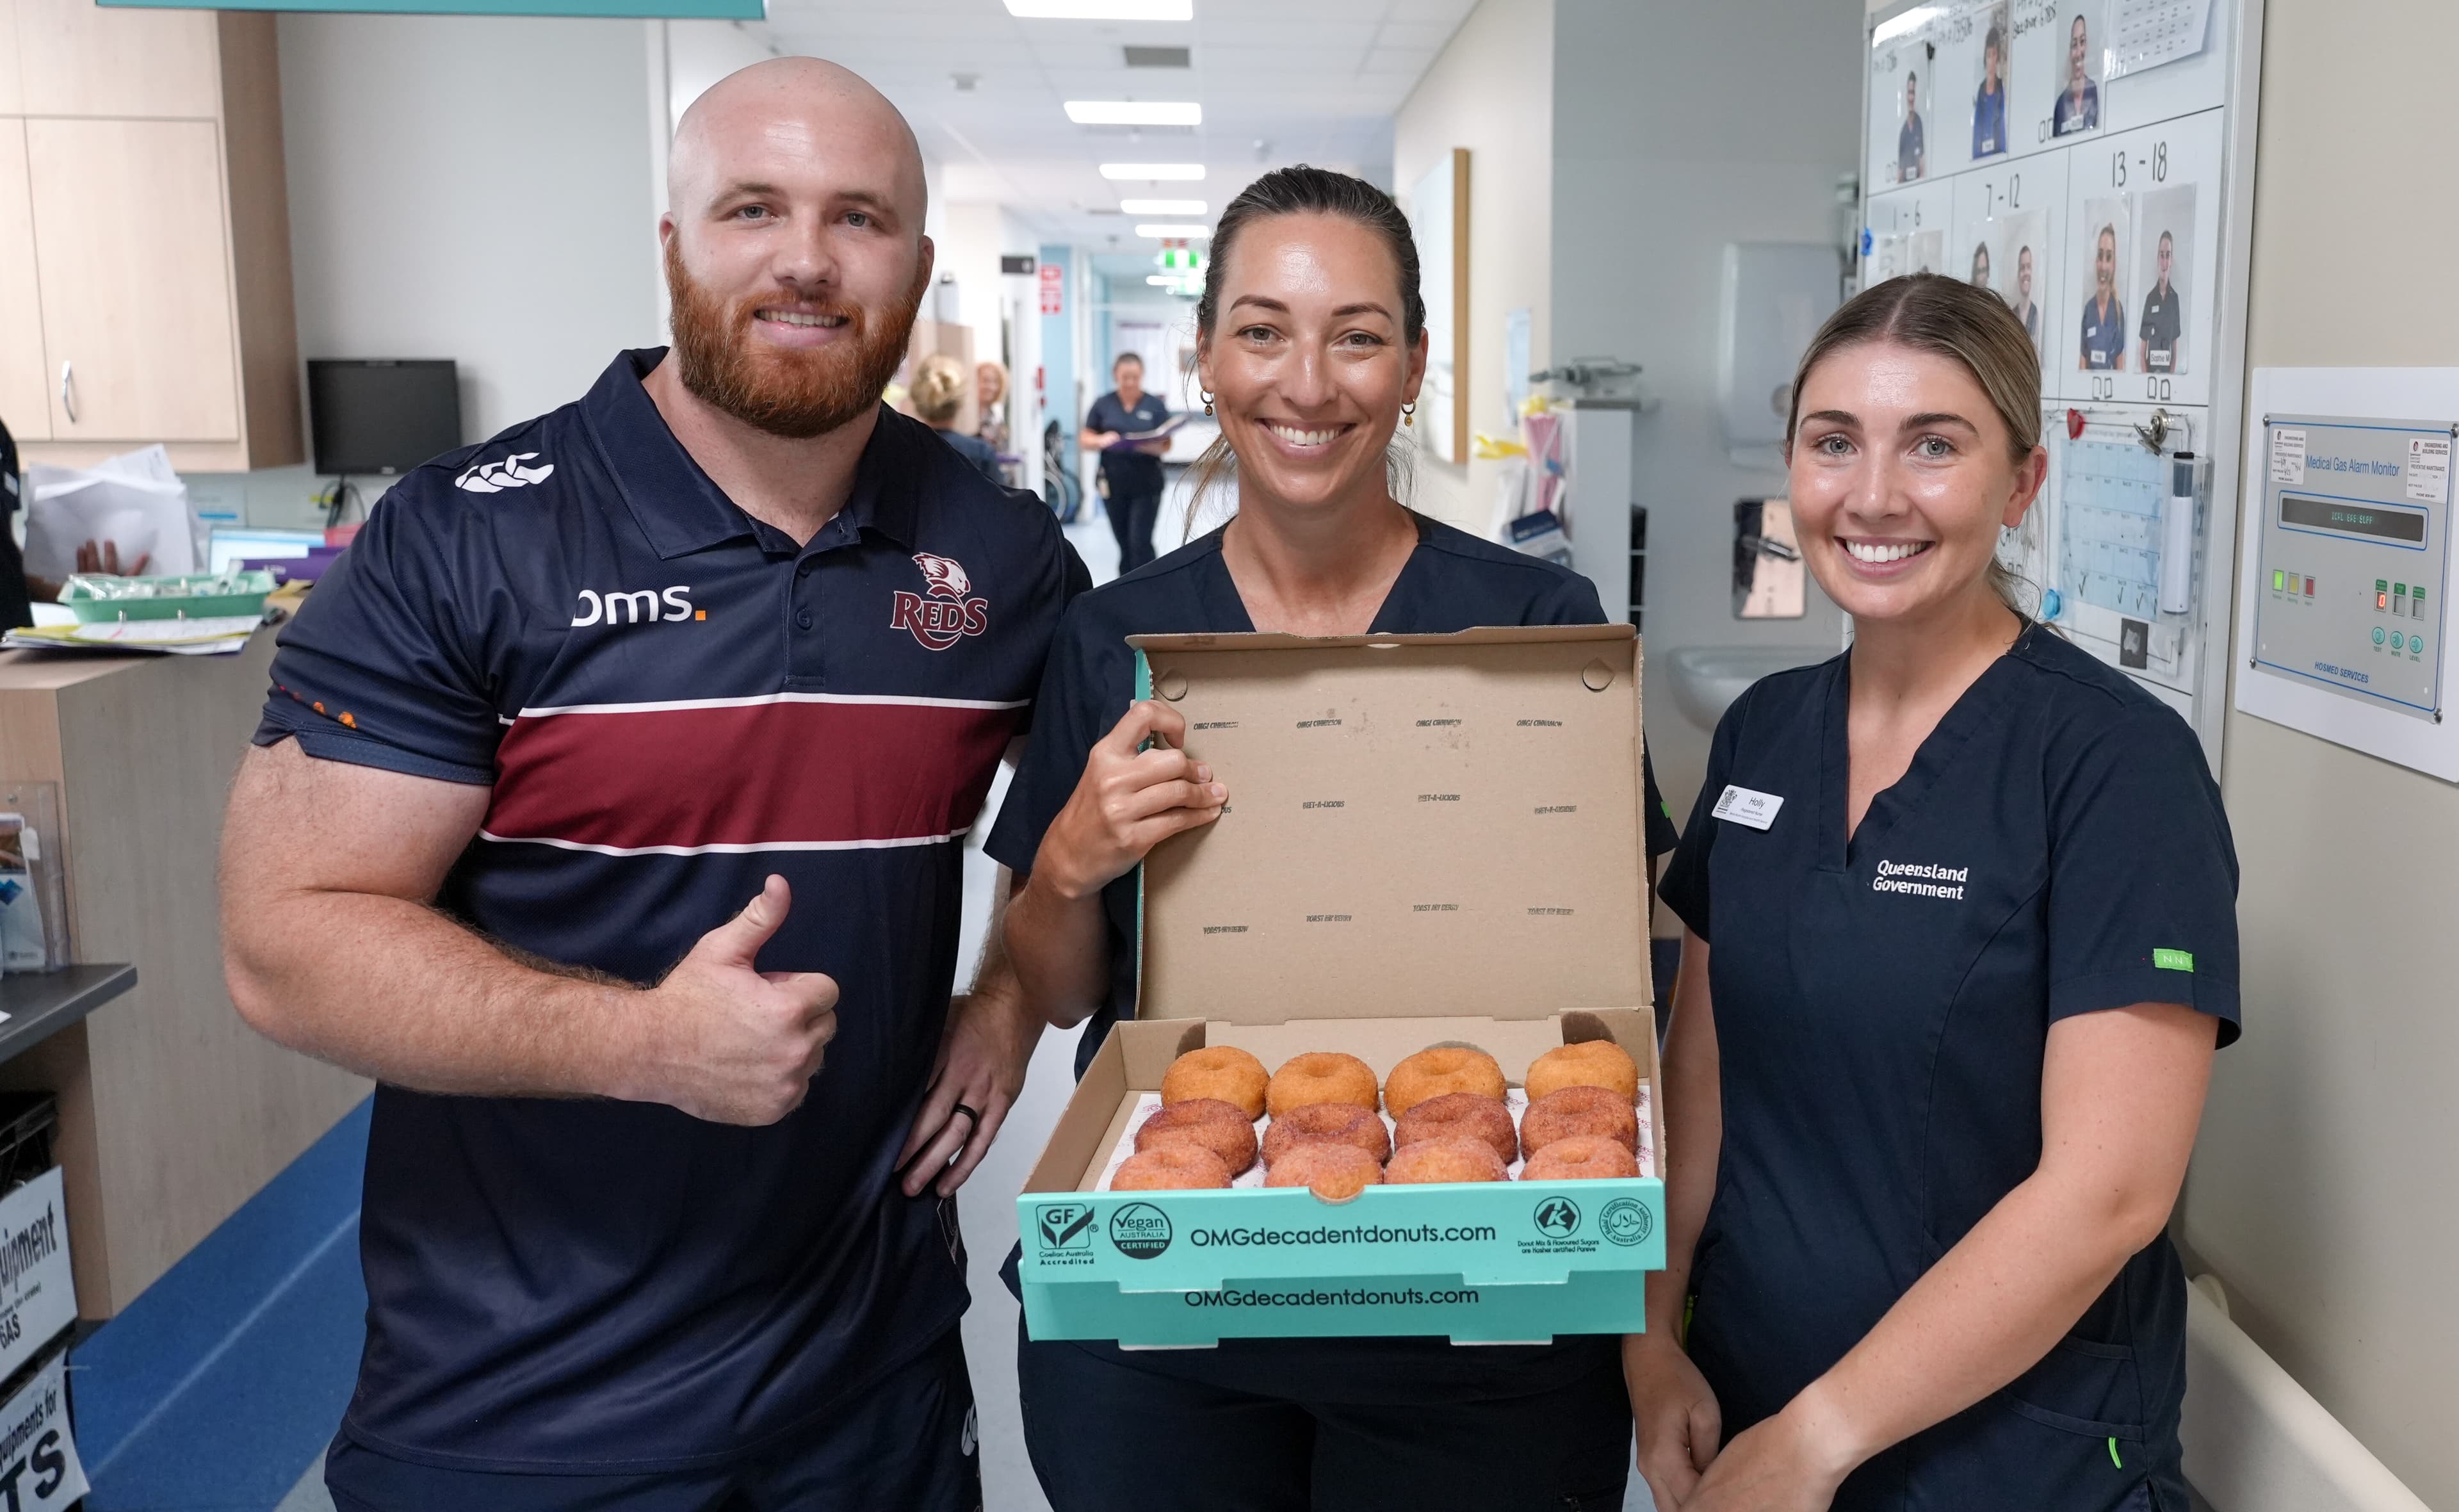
x=2088, y=161
x=2343, y=598
x=2354, y=540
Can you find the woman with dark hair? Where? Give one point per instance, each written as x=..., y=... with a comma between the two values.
x=1931, y=1097
x=1311, y=349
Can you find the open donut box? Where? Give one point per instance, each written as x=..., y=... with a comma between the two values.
x=1429, y=840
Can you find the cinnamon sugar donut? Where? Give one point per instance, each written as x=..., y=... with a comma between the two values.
x=1591, y=1062
x=1582, y=1157
x=1461, y=1115
x=1321, y=1076
x=1441, y=1071
x=1577, y=1110
x=1208, y=1122
x=1446, y=1160
x=1171, y=1167
x=1340, y=1123
x=1332, y=1170
x=1222, y=1073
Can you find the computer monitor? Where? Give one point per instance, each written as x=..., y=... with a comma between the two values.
x=378, y=417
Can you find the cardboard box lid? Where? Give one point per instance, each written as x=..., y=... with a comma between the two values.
x=1417, y=826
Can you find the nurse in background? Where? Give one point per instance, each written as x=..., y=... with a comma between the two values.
x=1131, y=476
x=1989, y=104
x=1931, y=1092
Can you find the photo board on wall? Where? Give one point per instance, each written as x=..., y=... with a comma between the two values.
x=2090, y=163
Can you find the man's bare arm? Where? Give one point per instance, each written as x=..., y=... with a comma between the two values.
x=336, y=950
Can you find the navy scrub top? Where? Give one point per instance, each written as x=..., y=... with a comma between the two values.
x=1451, y=581
x=1882, y=1009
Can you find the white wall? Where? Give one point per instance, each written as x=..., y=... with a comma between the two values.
x=1491, y=91
x=475, y=188
x=1678, y=127
x=2320, y=1190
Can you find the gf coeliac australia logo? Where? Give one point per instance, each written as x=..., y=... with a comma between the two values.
x=946, y=611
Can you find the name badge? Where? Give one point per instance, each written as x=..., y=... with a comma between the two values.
x=1743, y=807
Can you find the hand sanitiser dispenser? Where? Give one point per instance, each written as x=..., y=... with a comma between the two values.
x=2177, y=537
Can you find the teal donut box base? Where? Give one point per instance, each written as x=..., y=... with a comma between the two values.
x=1486, y=1262
x=1509, y=1262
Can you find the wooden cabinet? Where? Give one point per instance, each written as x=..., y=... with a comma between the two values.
x=25, y=398
x=137, y=328
x=141, y=196
x=75, y=58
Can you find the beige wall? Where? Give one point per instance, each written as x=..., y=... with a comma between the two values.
x=1492, y=92
x=2322, y=1192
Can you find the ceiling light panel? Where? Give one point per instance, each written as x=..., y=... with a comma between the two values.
x=1161, y=207
x=1135, y=112
x=1154, y=173
x=1103, y=9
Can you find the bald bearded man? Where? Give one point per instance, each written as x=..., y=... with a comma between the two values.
x=607, y=809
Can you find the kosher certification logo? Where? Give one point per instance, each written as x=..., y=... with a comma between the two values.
x=1140, y=1229
x=1066, y=1226
x=1558, y=1217
x=1627, y=1221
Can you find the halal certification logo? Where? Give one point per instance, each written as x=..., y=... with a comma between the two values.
x=1558, y=1217
x=1066, y=1226
x=1140, y=1229
x=1627, y=1221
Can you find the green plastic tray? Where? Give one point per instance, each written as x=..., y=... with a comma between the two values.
x=95, y=597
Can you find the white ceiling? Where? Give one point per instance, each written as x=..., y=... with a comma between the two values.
x=1280, y=82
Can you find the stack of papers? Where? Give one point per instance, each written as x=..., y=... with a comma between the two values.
x=219, y=637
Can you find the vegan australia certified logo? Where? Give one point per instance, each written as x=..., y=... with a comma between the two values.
x=1140, y=1229
x=946, y=611
x=1558, y=1217
x=1627, y=1221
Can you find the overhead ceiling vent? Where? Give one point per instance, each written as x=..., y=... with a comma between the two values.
x=1156, y=56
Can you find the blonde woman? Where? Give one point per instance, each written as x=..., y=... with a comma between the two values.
x=1931, y=1095
x=938, y=394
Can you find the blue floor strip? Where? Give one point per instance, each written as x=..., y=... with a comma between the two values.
x=225, y=1378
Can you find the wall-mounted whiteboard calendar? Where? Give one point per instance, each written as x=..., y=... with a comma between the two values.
x=2091, y=162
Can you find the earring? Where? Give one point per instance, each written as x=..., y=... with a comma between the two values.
x=1208, y=403
x=1408, y=414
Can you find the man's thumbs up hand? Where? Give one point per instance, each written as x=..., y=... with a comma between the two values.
x=734, y=1044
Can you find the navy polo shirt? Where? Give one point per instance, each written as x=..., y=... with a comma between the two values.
x=1883, y=1008
x=671, y=699
x=1132, y=473
x=1451, y=581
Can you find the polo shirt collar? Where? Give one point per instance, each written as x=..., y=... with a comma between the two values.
x=680, y=510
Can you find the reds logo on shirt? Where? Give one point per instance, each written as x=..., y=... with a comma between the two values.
x=946, y=615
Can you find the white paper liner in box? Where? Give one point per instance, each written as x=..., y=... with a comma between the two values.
x=1147, y=1104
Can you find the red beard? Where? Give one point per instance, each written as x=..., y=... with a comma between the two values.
x=786, y=393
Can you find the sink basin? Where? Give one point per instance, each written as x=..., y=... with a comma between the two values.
x=1707, y=678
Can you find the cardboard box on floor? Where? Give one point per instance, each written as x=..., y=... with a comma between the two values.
x=1429, y=839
